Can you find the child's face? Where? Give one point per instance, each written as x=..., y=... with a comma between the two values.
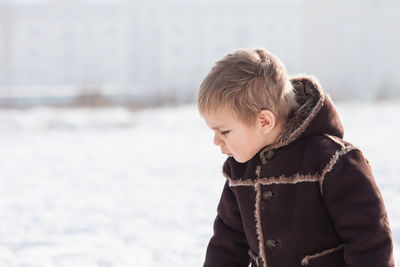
x=235, y=138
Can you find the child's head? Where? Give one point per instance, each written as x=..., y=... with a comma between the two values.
x=249, y=85
x=246, y=82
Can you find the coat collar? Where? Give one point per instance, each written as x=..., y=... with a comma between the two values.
x=316, y=114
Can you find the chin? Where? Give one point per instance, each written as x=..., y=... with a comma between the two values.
x=240, y=160
x=243, y=159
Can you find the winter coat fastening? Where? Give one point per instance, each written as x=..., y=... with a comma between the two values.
x=309, y=199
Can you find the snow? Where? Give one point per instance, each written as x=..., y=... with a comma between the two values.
x=112, y=187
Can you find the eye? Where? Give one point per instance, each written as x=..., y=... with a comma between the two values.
x=224, y=132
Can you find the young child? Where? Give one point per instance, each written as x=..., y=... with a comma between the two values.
x=296, y=193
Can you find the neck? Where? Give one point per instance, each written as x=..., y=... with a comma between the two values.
x=276, y=132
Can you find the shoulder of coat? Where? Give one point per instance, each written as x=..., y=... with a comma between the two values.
x=343, y=150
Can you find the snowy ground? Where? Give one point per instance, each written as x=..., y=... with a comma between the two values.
x=117, y=188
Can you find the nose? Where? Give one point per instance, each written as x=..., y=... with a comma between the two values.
x=218, y=140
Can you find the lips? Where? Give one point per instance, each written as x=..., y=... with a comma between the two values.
x=227, y=153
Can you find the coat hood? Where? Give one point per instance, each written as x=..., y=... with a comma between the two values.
x=316, y=115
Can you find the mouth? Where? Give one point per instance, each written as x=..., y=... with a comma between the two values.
x=228, y=154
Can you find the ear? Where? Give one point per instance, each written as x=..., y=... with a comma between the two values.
x=266, y=120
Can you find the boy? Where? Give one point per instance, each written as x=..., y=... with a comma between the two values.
x=296, y=193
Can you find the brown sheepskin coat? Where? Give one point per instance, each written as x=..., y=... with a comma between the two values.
x=309, y=199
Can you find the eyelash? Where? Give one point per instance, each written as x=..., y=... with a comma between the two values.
x=224, y=132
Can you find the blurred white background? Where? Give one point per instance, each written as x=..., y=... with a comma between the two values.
x=159, y=50
x=89, y=179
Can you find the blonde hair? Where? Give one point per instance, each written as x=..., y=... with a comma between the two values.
x=248, y=81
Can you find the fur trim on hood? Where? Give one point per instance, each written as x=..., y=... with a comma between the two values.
x=316, y=114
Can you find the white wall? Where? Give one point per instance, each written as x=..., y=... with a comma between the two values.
x=143, y=47
x=352, y=46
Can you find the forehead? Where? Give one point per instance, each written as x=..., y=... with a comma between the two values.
x=221, y=117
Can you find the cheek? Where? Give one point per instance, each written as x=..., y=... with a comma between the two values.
x=233, y=143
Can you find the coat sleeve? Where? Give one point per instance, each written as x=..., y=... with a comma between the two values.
x=353, y=200
x=228, y=246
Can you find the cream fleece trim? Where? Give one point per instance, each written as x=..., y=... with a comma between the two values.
x=226, y=175
x=334, y=159
x=297, y=178
x=260, y=235
x=247, y=182
x=258, y=171
x=306, y=260
x=336, y=140
x=253, y=257
x=294, y=179
x=298, y=123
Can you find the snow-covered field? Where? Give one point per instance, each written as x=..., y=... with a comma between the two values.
x=111, y=187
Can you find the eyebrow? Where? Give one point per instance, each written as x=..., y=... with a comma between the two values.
x=218, y=127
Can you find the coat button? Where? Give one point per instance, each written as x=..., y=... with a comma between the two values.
x=270, y=243
x=269, y=154
x=267, y=195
